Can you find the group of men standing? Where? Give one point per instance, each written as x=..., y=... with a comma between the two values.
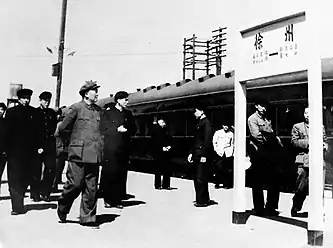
x=265, y=152
x=29, y=144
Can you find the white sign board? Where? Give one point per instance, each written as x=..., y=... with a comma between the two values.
x=273, y=48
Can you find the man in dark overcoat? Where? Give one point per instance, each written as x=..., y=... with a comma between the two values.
x=3, y=159
x=84, y=155
x=117, y=126
x=48, y=157
x=161, y=145
x=24, y=142
x=200, y=156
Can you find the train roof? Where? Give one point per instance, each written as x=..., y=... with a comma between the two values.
x=211, y=84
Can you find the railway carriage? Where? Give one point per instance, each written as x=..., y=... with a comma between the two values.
x=286, y=93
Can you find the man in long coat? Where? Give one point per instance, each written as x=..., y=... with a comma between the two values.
x=3, y=159
x=200, y=156
x=84, y=156
x=24, y=142
x=117, y=126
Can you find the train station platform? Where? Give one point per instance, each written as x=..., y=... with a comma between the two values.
x=159, y=219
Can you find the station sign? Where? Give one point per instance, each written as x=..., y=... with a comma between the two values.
x=273, y=48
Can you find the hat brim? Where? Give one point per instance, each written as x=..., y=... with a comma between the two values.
x=82, y=92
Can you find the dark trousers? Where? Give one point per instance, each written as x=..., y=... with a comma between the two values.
x=19, y=171
x=302, y=188
x=265, y=170
x=60, y=165
x=44, y=171
x=201, y=182
x=162, y=172
x=48, y=158
x=224, y=171
x=3, y=161
x=81, y=178
x=48, y=174
x=114, y=179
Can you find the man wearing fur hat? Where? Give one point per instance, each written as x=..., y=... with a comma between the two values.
x=84, y=155
x=24, y=142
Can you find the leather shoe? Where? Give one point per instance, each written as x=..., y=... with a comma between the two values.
x=293, y=213
x=200, y=205
x=35, y=198
x=45, y=198
x=62, y=216
x=258, y=212
x=17, y=212
x=107, y=205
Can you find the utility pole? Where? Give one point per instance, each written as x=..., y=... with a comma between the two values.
x=61, y=51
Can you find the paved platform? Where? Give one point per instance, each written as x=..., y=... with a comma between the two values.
x=157, y=219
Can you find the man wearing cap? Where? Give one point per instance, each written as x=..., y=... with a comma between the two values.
x=24, y=142
x=48, y=157
x=264, y=151
x=117, y=126
x=84, y=155
x=3, y=159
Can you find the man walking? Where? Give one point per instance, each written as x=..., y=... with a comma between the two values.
x=48, y=157
x=24, y=142
x=84, y=156
x=117, y=126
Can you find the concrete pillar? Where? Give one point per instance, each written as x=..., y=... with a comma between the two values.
x=239, y=200
x=316, y=186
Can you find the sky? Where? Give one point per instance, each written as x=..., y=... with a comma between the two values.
x=127, y=44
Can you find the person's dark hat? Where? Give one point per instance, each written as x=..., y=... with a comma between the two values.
x=45, y=95
x=89, y=85
x=262, y=102
x=24, y=92
x=3, y=105
x=120, y=95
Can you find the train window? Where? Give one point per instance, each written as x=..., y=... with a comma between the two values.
x=143, y=122
x=328, y=116
x=191, y=122
x=286, y=116
x=177, y=122
x=221, y=116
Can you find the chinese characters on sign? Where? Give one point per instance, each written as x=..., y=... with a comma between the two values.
x=287, y=46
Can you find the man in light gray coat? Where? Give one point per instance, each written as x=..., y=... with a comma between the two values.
x=300, y=141
x=84, y=155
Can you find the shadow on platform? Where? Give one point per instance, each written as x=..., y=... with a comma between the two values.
x=41, y=206
x=132, y=203
x=7, y=197
x=289, y=221
x=100, y=219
